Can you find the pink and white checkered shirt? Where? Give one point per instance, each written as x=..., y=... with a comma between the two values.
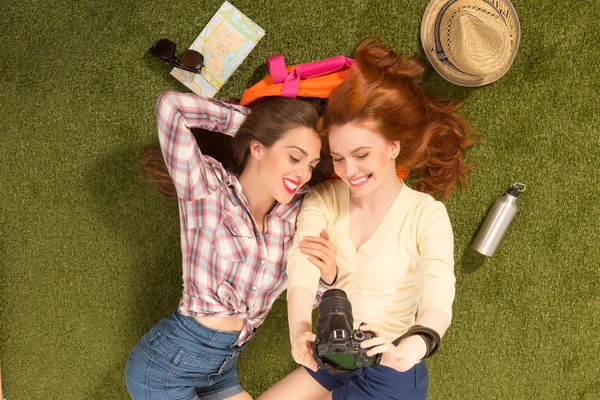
x=230, y=268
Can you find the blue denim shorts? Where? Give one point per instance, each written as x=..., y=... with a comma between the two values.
x=378, y=382
x=181, y=359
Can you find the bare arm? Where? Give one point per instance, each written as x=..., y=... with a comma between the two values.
x=414, y=347
x=303, y=273
x=300, y=302
x=435, y=319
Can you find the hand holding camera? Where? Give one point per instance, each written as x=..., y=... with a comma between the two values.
x=339, y=348
x=402, y=357
x=302, y=350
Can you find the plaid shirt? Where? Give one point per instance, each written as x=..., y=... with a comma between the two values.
x=230, y=268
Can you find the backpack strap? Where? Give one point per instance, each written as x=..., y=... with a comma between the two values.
x=291, y=81
x=276, y=65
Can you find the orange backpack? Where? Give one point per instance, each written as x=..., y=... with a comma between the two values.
x=315, y=79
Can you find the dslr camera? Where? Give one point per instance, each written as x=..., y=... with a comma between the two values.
x=337, y=346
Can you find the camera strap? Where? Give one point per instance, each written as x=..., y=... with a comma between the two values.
x=430, y=336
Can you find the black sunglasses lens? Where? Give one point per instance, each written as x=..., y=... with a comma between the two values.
x=191, y=59
x=163, y=48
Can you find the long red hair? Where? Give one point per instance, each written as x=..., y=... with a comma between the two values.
x=380, y=93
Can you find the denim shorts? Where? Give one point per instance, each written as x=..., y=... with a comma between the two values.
x=181, y=359
x=378, y=382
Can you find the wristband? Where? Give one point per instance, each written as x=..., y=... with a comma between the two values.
x=430, y=336
x=334, y=279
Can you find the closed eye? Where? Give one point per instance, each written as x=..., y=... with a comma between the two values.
x=342, y=159
x=294, y=160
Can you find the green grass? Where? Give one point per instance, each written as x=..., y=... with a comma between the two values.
x=89, y=254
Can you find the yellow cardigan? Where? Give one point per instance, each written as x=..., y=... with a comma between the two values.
x=407, y=265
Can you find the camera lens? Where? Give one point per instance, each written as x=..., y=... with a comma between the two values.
x=335, y=301
x=334, y=293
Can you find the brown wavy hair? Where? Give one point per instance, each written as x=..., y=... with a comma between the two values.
x=381, y=94
x=269, y=120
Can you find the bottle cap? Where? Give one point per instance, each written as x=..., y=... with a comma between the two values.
x=516, y=189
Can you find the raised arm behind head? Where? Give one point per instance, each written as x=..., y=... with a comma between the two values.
x=230, y=144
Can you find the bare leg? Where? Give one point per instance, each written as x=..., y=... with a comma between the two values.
x=298, y=385
x=240, y=396
x=328, y=396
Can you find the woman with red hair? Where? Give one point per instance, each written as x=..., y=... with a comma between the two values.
x=395, y=254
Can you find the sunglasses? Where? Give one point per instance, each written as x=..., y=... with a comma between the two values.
x=189, y=60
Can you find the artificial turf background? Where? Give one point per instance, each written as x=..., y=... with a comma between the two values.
x=89, y=254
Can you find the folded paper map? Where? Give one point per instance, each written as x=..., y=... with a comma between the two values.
x=225, y=42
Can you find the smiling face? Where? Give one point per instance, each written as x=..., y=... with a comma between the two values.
x=288, y=163
x=362, y=158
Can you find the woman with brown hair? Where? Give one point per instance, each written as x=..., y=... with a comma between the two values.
x=236, y=227
x=395, y=244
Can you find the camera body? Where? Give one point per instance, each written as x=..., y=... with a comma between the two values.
x=337, y=345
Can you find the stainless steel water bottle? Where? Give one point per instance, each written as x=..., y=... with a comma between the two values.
x=497, y=221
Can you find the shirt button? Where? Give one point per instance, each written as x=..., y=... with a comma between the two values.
x=262, y=261
x=254, y=288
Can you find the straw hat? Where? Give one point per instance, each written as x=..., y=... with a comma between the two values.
x=470, y=42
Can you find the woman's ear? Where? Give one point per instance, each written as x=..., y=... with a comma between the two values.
x=257, y=150
x=395, y=148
